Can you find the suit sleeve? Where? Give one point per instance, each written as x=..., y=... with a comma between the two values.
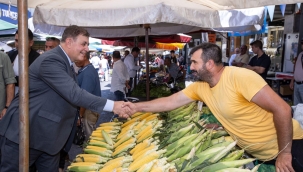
x=54, y=72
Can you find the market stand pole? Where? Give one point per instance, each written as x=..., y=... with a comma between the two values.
x=146, y=27
x=23, y=85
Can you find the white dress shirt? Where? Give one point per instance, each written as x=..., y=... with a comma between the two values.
x=129, y=61
x=232, y=58
x=119, y=76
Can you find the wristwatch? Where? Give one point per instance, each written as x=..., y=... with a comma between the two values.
x=5, y=107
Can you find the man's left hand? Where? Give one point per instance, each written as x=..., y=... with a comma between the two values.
x=283, y=163
x=122, y=110
x=3, y=113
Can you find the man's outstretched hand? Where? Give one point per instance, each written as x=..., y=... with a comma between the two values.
x=124, y=109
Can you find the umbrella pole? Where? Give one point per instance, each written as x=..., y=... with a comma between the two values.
x=23, y=85
x=146, y=27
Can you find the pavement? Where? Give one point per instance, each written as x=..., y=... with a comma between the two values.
x=104, y=117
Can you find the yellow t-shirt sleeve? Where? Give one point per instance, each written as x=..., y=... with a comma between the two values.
x=191, y=91
x=248, y=89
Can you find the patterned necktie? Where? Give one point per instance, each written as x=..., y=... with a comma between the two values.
x=73, y=70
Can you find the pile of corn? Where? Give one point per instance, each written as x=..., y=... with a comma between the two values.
x=170, y=142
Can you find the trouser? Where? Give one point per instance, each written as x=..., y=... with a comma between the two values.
x=298, y=93
x=90, y=119
x=130, y=85
x=63, y=155
x=297, y=156
x=105, y=70
x=120, y=96
x=10, y=158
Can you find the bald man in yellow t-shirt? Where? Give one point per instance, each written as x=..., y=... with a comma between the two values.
x=246, y=106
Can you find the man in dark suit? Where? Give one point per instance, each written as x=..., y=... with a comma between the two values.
x=13, y=55
x=53, y=97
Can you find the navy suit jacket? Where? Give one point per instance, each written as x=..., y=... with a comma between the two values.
x=53, y=97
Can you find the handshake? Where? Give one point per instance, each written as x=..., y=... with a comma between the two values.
x=125, y=109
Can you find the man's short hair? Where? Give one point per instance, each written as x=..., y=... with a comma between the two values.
x=209, y=52
x=172, y=51
x=257, y=43
x=126, y=52
x=116, y=55
x=73, y=31
x=53, y=39
x=136, y=49
x=30, y=34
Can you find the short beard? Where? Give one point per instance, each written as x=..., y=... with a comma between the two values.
x=203, y=75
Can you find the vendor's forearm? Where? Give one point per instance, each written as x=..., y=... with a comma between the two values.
x=164, y=104
x=284, y=128
x=10, y=93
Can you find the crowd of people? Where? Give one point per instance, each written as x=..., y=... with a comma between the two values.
x=249, y=110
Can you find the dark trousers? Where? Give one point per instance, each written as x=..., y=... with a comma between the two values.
x=63, y=155
x=128, y=94
x=9, y=161
x=120, y=96
x=297, y=156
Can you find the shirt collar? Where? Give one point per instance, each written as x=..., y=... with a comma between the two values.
x=70, y=62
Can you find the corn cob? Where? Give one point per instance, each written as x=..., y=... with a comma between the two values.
x=206, y=143
x=100, y=144
x=80, y=168
x=137, y=114
x=125, y=159
x=120, y=169
x=126, y=129
x=123, y=149
x=223, y=153
x=180, y=133
x=97, y=138
x=227, y=164
x=110, y=124
x=123, y=139
x=162, y=168
x=82, y=163
x=97, y=148
x=129, y=141
x=147, y=128
x=220, y=133
x=151, y=117
x=136, y=164
x=109, y=131
x=129, y=122
x=235, y=155
x=146, y=167
x=146, y=135
x=141, y=146
x=145, y=152
x=203, y=157
x=181, y=141
x=90, y=158
x=110, y=127
x=115, y=163
x=233, y=170
x=107, y=138
x=106, y=153
x=140, y=124
x=99, y=134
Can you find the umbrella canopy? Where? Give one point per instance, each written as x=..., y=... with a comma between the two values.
x=215, y=4
x=121, y=18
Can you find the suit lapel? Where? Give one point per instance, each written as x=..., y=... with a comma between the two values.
x=70, y=71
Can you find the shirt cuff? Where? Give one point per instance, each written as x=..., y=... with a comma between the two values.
x=109, y=106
